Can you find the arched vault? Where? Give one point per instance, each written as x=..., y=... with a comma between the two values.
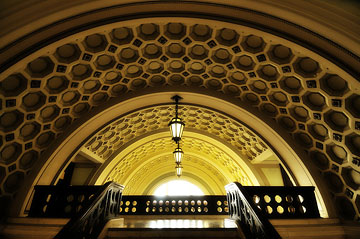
x=96, y=81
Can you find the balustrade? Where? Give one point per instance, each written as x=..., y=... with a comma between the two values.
x=174, y=205
x=284, y=202
x=89, y=207
x=251, y=207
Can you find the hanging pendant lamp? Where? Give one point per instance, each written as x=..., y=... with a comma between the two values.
x=178, y=154
x=176, y=125
x=178, y=168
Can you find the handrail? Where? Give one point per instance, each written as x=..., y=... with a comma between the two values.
x=90, y=221
x=253, y=224
x=89, y=207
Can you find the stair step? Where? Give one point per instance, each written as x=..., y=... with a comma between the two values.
x=34, y=228
x=170, y=227
x=309, y=228
x=172, y=233
x=151, y=227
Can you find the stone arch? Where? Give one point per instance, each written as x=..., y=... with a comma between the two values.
x=304, y=88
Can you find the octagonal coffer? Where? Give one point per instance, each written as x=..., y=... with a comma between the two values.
x=61, y=123
x=49, y=113
x=28, y=159
x=128, y=55
x=320, y=160
x=291, y=85
x=95, y=43
x=175, y=50
x=81, y=72
x=268, y=72
x=314, y=100
x=288, y=123
x=13, y=85
x=175, y=30
x=200, y=32
x=40, y=67
x=259, y=86
x=198, y=52
x=152, y=51
x=155, y=67
x=70, y=97
x=352, y=141
x=253, y=44
x=44, y=139
x=11, y=120
x=221, y=55
x=227, y=37
x=56, y=84
x=104, y=62
x=351, y=177
x=10, y=153
x=300, y=113
x=121, y=35
x=32, y=101
x=306, y=67
x=337, y=153
x=80, y=109
x=197, y=67
x=99, y=98
x=337, y=120
x=148, y=31
x=352, y=104
x=112, y=77
x=280, y=54
x=244, y=62
x=318, y=131
x=67, y=53
x=279, y=98
x=304, y=139
x=269, y=109
x=29, y=130
x=334, y=85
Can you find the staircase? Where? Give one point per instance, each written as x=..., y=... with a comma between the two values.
x=180, y=227
x=101, y=212
x=174, y=227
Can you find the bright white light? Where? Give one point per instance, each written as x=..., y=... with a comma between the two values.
x=178, y=187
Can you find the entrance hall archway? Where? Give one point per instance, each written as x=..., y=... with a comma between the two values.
x=246, y=122
x=295, y=86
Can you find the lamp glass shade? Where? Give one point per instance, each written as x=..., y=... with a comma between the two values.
x=178, y=168
x=176, y=128
x=178, y=155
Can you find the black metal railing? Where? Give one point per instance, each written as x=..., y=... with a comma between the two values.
x=251, y=207
x=251, y=222
x=284, y=202
x=89, y=207
x=174, y=205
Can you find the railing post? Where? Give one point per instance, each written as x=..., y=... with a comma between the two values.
x=250, y=221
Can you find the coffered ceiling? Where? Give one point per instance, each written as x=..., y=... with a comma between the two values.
x=312, y=99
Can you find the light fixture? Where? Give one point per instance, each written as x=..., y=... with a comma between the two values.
x=176, y=129
x=176, y=125
x=178, y=168
x=178, y=154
